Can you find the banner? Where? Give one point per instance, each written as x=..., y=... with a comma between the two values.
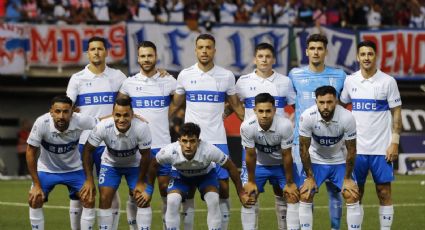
x=12, y=48
x=341, y=47
x=52, y=45
x=234, y=45
x=401, y=53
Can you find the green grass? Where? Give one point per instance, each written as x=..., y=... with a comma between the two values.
x=408, y=196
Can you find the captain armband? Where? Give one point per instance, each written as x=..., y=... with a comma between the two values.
x=395, y=138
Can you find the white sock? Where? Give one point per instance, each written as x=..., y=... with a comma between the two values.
x=87, y=218
x=386, y=214
x=116, y=206
x=188, y=213
x=354, y=216
x=75, y=209
x=172, y=218
x=214, y=217
x=280, y=206
x=131, y=209
x=105, y=218
x=225, y=213
x=37, y=218
x=306, y=216
x=163, y=211
x=249, y=217
x=292, y=216
x=144, y=218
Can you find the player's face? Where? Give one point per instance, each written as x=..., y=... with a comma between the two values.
x=97, y=53
x=189, y=145
x=316, y=53
x=61, y=114
x=264, y=60
x=326, y=105
x=265, y=113
x=366, y=56
x=205, y=51
x=122, y=117
x=147, y=59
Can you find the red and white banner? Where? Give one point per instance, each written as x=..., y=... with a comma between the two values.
x=12, y=48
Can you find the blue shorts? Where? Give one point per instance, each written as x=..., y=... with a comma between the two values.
x=163, y=170
x=222, y=173
x=382, y=171
x=73, y=180
x=97, y=156
x=332, y=173
x=111, y=176
x=184, y=184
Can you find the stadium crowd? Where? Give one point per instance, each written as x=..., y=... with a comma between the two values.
x=345, y=13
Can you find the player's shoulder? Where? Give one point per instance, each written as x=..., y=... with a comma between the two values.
x=282, y=121
x=298, y=70
x=382, y=76
x=116, y=73
x=106, y=124
x=79, y=75
x=139, y=124
x=187, y=71
x=244, y=78
x=334, y=70
x=310, y=112
x=221, y=70
x=249, y=123
x=43, y=120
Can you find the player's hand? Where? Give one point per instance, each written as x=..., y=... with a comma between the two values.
x=163, y=72
x=246, y=200
x=309, y=188
x=141, y=118
x=350, y=189
x=76, y=109
x=88, y=192
x=36, y=197
x=251, y=189
x=392, y=153
x=291, y=192
x=142, y=198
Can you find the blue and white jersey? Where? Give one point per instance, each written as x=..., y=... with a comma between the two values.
x=279, y=86
x=205, y=96
x=267, y=143
x=122, y=149
x=327, y=138
x=59, y=150
x=94, y=94
x=206, y=156
x=150, y=98
x=227, y=12
x=306, y=82
x=372, y=100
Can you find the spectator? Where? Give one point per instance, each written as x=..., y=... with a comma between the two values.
x=80, y=11
x=118, y=11
x=21, y=146
x=175, y=7
x=45, y=8
x=61, y=12
x=416, y=16
x=402, y=14
x=333, y=13
x=319, y=14
x=305, y=13
x=206, y=16
x=360, y=11
x=388, y=13
x=13, y=11
x=100, y=10
x=144, y=12
x=260, y=12
x=30, y=10
x=285, y=12
x=191, y=13
x=374, y=16
x=242, y=14
x=227, y=11
x=160, y=11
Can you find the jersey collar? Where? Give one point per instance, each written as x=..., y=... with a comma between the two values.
x=271, y=129
x=270, y=78
x=72, y=125
x=118, y=133
x=210, y=72
x=371, y=79
x=145, y=78
x=92, y=75
x=334, y=118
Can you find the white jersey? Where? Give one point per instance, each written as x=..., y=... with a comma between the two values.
x=372, y=100
x=150, y=98
x=58, y=150
x=268, y=144
x=327, y=138
x=122, y=149
x=94, y=94
x=205, y=96
x=206, y=156
x=279, y=86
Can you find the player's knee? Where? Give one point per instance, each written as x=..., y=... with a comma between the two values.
x=163, y=186
x=37, y=204
x=174, y=200
x=384, y=195
x=305, y=198
x=212, y=199
x=224, y=189
x=88, y=203
x=349, y=198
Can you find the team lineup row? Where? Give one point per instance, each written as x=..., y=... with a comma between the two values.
x=329, y=144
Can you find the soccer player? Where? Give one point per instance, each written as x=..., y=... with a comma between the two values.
x=194, y=161
x=127, y=153
x=323, y=130
x=376, y=107
x=306, y=80
x=205, y=86
x=93, y=91
x=268, y=141
x=56, y=135
x=264, y=79
x=151, y=96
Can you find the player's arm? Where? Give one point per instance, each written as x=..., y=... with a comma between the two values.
x=176, y=104
x=392, y=150
x=234, y=175
x=290, y=190
x=309, y=185
x=236, y=105
x=36, y=195
x=144, y=163
x=251, y=159
x=88, y=191
x=144, y=189
x=349, y=185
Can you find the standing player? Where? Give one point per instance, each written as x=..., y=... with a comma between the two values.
x=264, y=79
x=377, y=110
x=93, y=91
x=151, y=95
x=56, y=135
x=125, y=137
x=323, y=129
x=194, y=161
x=306, y=80
x=268, y=140
x=205, y=86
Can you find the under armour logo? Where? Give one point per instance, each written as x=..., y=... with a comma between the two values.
x=252, y=88
x=192, y=81
x=103, y=227
x=131, y=222
x=353, y=89
x=386, y=217
x=355, y=226
x=34, y=226
x=88, y=84
x=138, y=88
x=144, y=228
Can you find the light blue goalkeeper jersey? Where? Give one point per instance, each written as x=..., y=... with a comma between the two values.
x=305, y=82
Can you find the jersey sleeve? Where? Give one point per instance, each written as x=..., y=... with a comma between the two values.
x=231, y=90
x=238, y=89
x=96, y=137
x=172, y=85
x=164, y=156
x=291, y=93
x=345, y=95
x=217, y=156
x=180, y=84
x=287, y=135
x=36, y=134
x=247, y=138
x=87, y=122
x=393, y=99
x=72, y=89
x=349, y=127
x=145, y=139
x=305, y=128
x=124, y=88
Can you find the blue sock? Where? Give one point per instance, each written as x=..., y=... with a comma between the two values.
x=335, y=205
